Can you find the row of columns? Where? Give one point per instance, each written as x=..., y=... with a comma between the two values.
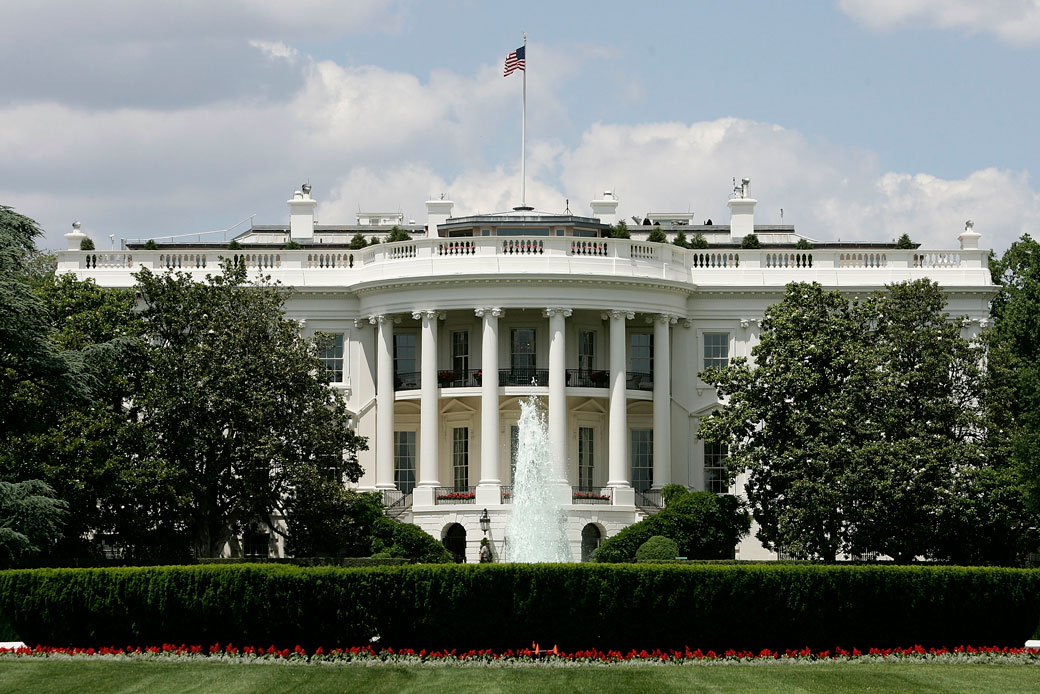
x=490, y=468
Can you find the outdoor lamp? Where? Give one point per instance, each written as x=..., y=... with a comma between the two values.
x=485, y=522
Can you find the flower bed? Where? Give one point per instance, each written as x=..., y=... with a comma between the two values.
x=534, y=654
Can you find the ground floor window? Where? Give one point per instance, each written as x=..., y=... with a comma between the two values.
x=460, y=457
x=404, y=460
x=716, y=477
x=255, y=543
x=642, y=459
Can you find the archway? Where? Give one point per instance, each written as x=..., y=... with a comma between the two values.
x=455, y=542
x=591, y=536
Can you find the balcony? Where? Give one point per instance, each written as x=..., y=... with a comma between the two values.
x=588, y=378
x=592, y=495
x=454, y=495
x=523, y=377
x=639, y=380
x=463, y=378
x=472, y=378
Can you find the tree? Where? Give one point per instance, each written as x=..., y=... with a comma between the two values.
x=30, y=520
x=703, y=525
x=804, y=245
x=680, y=239
x=751, y=241
x=407, y=541
x=397, y=234
x=232, y=397
x=905, y=243
x=862, y=426
x=327, y=520
x=698, y=241
x=657, y=236
x=620, y=230
x=86, y=244
x=357, y=242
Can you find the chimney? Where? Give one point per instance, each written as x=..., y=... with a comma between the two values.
x=605, y=208
x=741, y=212
x=301, y=214
x=437, y=213
x=969, y=238
x=75, y=237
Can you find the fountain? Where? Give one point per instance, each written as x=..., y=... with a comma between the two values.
x=535, y=531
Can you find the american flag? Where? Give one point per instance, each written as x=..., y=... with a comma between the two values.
x=515, y=61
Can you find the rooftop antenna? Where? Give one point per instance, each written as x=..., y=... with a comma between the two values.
x=567, y=202
x=781, y=216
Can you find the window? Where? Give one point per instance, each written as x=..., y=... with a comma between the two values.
x=405, y=373
x=404, y=460
x=716, y=350
x=460, y=458
x=460, y=353
x=522, y=356
x=641, y=353
x=585, y=457
x=642, y=459
x=255, y=542
x=586, y=351
x=332, y=358
x=716, y=478
x=514, y=443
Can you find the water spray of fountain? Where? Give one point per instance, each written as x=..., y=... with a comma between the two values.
x=536, y=529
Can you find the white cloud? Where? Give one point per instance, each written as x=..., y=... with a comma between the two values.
x=275, y=49
x=1014, y=21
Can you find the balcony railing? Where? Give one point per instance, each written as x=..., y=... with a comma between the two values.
x=406, y=380
x=523, y=377
x=507, y=493
x=649, y=501
x=451, y=378
x=396, y=502
x=587, y=378
x=454, y=495
x=592, y=495
x=639, y=380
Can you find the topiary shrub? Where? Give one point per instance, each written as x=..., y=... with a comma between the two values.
x=357, y=242
x=804, y=245
x=699, y=242
x=398, y=234
x=657, y=236
x=751, y=241
x=151, y=245
x=86, y=244
x=905, y=243
x=657, y=547
x=234, y=245
x=620, y=231
x=292, y=246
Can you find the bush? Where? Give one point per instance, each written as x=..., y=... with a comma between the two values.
x=503, y=606
x=657, y=547
x=357, y=242
x=699, y=242
x=234, y=245
x=86, y=244
x=751, y=241
x=397, y=234
x=703, y=525
x=657, y=236
x=292, y=246
x=620, y=230
x=408, y=541
x=905, y=243
x=804, y=245
x=151, y=245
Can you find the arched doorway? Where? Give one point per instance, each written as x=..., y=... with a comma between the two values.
x=591, y=536
x=455, y=542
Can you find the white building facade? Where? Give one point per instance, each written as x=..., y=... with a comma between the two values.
x=439, y=338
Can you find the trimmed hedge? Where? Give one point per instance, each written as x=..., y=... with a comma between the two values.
x=508, y=606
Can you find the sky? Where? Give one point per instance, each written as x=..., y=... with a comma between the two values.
x=861, y=119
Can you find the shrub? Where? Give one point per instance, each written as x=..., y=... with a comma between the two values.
x=804, y=245
x=234, y=245
x=292, y=246
x=357, y=241
x=699, y=242
x=86, y=244
x=408, y=541
x=751, y=241
x=680, y=239
x=397, y=234
x=620, y=230
x=904, y=242
x=501, y=606
x=151, y=245
x=657, y=236
x=657, y=547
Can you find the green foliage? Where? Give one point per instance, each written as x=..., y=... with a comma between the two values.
x=702, y=524
x=657, y=547
x=30, y=520
x=292, y=246
x=373, y=241
x=357, y=241
x=657, y=236
x=407, y=541
x=672, y=493
x=397, y=234
x=699, y=242
x=680, y=239
x=620, y=230
x=905, y=243
x=234, y=245
x=751, y=241
x=804, y=245
x=329, y=520
x=860, y=429
x=151, y=245
x=86, y=244
x=580, y=605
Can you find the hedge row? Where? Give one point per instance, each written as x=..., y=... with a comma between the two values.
x=509, y=606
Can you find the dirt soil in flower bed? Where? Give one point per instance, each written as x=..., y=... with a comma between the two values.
x=30, y=674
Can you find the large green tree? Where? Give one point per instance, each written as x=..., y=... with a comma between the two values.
x=231, y=395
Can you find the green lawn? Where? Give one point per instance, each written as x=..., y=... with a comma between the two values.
x=86, y=677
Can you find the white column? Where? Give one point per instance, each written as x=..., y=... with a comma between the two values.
x=662, y=400
x=488, y=487
x=429, y=430
x=617, y=448
x=384, y=401
x=557, y=391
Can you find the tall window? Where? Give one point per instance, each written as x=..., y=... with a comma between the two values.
x=641, y=352
x=514, y=443
x=404, y=360
x=332, y=358
x=460, y=353
x=404, y=460
x=586, y=351
x=460, y=457
x=522, y=358
x=716, y=350
x=585, y=457
x=642, y=459
x=716, y=478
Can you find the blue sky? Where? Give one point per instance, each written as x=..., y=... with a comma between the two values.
x=863, y=119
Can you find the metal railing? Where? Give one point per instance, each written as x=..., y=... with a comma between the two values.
x=523, y=377
x=507, y=494
x=454, y=495
x=649, y=501
x=396, y=502
x=451, y=378
x=588, y=378
x=639, y=380
x=407, y=380
x=592, y=495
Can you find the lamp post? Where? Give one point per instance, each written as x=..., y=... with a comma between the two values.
x=485, y=522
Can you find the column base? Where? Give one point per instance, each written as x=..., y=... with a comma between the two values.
x=624, y=496
x=488, y=494
x=423, y=496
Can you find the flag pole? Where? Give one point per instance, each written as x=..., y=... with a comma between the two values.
x=523, y=136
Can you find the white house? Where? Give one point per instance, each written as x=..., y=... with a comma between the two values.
x=439, y=338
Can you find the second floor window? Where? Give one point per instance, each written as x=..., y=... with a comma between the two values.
x=716, y=350
x=586, y=351
x=460, y=352
x=332, y=357
x=522, y=345
x=641, y=353
x=404, y=353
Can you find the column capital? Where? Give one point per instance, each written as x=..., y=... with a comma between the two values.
x=556, y=310
x=666, y=318
x=381, y=318
x=626, y=315
x=427, y=313
x=489, y=311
